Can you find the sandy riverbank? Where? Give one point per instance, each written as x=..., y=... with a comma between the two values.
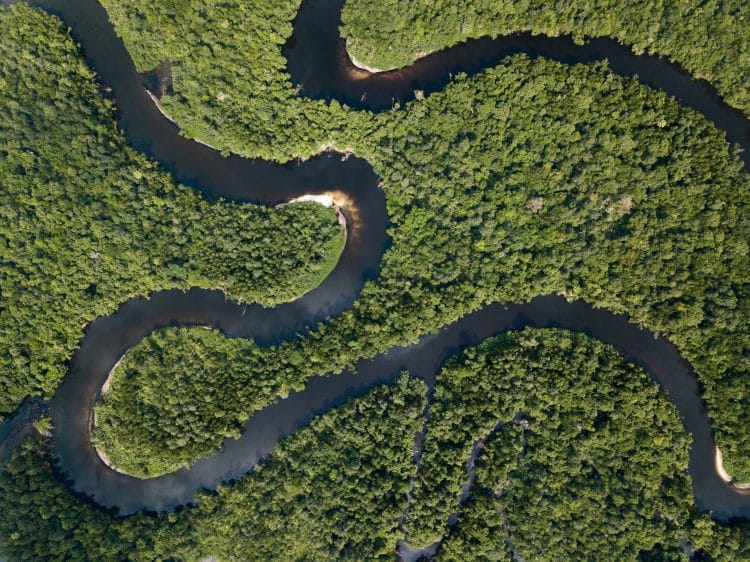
x=168, y=117
x=157, y=103
x=337, y=200
x=362, y=66
x=724, y=475
x=105, y=387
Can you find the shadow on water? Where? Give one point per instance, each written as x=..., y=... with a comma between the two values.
x=318, y=62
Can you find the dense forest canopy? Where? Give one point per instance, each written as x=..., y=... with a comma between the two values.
x=531, y=178
x=710, y=39
x=229, y=76
x=578, y=457
x=198, y=388
x=86, y=223
x=536, y=177
x=333, y=490
x=597, y=455
x=579, y=452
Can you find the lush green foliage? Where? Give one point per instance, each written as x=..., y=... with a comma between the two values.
x=87, y=223
x=643, y=210
x=200, y=387
x=720, y=543
x=710, y=39
x=334, y=490
x=640, y=213
x=591, y=470
x=480, y=528
x=498, y=454
x=530, y=178
x=602, y=464
x=480, y=536
x=229, y=76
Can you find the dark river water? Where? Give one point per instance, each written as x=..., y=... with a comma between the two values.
x=318, y=61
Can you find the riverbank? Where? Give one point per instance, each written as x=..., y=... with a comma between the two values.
x=192, y=157
x=265, y=428
x=362, y=66
x=724, y=475
x=337, y=200
x=104, y=389
x=168, y=117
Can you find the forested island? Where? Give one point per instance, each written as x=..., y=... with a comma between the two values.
x=533, y=177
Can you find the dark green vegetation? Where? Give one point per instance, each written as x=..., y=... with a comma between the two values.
x=87, y=223
x=334, y=490
x=580, y=458
x=200, y=387
x=600, y=469
x=641, y=206
x=481, y=527
x=531, y=178
x=229, y=77
x=536, y=178
x=710, y=39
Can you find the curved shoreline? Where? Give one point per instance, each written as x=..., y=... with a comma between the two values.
x=724, y=475
x=310, y=55
x=92, y=426
x=321, y=66
x=265, y=428
x=362, y=66
x=336, y=200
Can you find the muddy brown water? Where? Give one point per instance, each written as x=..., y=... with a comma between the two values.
x=317, y=60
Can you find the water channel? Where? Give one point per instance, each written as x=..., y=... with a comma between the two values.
x=317, y=60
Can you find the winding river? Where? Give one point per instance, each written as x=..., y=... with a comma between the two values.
x=318, y=61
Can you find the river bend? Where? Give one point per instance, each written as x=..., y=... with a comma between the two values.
x=318, y=62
